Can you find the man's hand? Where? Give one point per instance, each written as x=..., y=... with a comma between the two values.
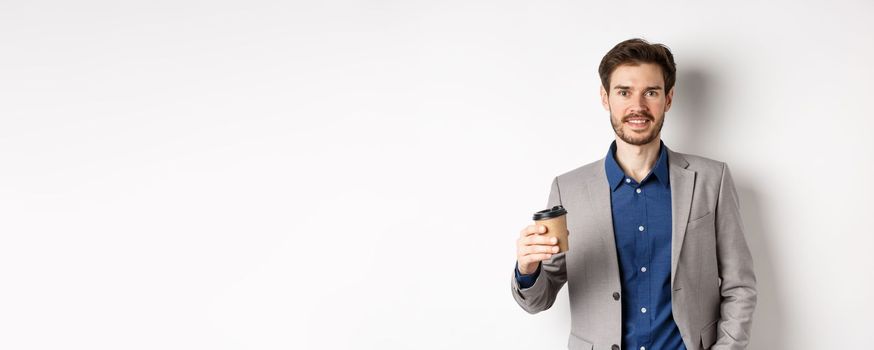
x=532, y=248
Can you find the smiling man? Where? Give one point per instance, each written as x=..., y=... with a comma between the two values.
x=656, y=256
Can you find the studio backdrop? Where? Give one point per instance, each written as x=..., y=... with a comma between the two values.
x=354, y=174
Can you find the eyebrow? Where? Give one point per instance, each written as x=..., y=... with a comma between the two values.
x=623, y=87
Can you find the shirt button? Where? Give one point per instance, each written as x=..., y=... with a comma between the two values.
x=642, y=348
x=638, y=190
x=643, y=310
x=615, y=295
x=640, y=228
x=643, y=269
x=627, y=180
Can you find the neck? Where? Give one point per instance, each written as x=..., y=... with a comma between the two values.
x=637, y=161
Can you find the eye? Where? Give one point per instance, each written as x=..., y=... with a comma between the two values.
x=623, y=93
x=652, y=93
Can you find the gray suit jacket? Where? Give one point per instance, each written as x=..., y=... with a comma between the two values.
x=712, y=278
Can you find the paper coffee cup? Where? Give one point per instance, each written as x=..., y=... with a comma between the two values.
x=555, y=221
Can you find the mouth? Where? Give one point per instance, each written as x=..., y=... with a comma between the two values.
x=637, y=123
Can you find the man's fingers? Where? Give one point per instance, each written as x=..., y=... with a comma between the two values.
x=540, y=249
x=533, y=258
x=523, y=250
x=528, y=230
x=533, y=246
x=532, y=229
x=539, y=239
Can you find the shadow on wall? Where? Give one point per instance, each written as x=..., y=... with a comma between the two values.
x=693, y=120
x=689, y=113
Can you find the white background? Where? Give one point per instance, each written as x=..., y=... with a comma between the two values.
x=353, y=174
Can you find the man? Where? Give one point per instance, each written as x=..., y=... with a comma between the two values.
x=657, y=257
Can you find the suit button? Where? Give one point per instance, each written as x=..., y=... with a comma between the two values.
x=615, y=295
x=615, y=347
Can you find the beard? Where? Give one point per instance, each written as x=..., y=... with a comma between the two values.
x=632, y=137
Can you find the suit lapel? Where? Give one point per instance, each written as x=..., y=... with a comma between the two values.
x=682, y=187
x=601, y=206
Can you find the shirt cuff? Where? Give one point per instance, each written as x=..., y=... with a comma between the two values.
x=526, y=281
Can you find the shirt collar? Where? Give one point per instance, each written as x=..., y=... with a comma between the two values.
x=615, y=175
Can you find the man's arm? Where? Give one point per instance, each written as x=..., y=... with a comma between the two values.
x=552, y=276
x=735, y=264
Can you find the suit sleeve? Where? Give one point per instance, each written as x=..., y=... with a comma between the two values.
x=553, y=273
x=735, y=264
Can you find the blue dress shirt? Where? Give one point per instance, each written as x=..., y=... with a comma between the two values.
x=642, y=230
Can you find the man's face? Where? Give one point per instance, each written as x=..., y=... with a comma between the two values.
x=637, y=102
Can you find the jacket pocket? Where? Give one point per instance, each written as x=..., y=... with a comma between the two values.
x=577, y=343
x=704, y=220
x=708, y=334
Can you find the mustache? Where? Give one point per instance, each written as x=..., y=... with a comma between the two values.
x=643, y=114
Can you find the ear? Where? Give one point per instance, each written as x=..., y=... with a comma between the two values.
x=669, y=98
x=605, y=101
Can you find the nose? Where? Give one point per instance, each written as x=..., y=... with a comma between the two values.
x=638, y=106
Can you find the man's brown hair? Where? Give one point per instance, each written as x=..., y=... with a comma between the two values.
x=634, y=52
